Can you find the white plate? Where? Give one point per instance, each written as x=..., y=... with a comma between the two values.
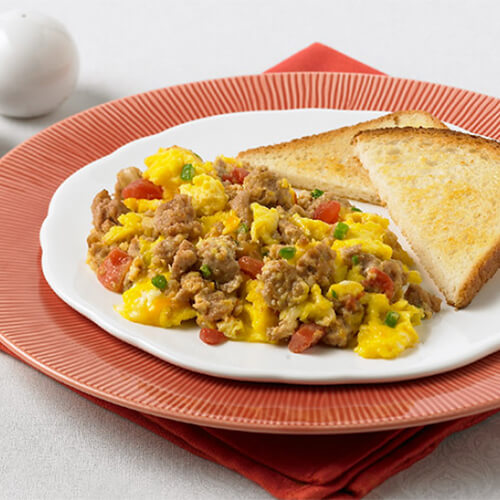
x=449, y=340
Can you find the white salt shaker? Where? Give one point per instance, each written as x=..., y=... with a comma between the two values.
x=38, y=64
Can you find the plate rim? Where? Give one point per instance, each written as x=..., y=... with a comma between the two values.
x=332, y=427
x=242, y=424
x=236, y=77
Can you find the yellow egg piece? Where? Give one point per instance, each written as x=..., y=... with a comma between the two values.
x=315, y=309
x=146, y=248
x=257, y=316
x=141, y=205
x=354, y=274
x=143, y=303
x=230, y=161
x=378, y=340
x=286, y=185
x=164, y=168
x=366, y=219
x=207, y=194
x=414, y=277
x=229, y=219
x=345, y=288
x=231, y=223
x=316, y=229
x=300, y=250
x=340, y=268
x=265, y=223
x=130, y=225
x=368, y=245
x=232, y=328
x=366, y=230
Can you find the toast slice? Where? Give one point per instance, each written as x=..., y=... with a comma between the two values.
x=327, y=161
x=442, y=189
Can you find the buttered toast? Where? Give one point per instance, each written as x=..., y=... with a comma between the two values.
x=327, y=161
x=442, y=189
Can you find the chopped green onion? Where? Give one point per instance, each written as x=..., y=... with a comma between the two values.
x=355, y=259
x=355, y=209
x=205, y=271
x=334, y=294
x=392, y=319
x=242, y=228
x=159, y=281
x=341, y=230
x=287, y=252
x=316, y=193
x=187, y=172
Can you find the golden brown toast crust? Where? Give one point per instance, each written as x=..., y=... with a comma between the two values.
x=321, y=137
x=308, y=162
x=483, y=270
x=436, y=133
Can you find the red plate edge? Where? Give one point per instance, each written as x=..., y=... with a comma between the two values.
x=464, y=112
x=210, y=421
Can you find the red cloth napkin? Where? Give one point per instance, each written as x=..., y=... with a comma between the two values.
x=306, y=467
x=319, y=57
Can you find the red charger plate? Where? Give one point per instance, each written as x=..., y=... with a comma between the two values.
x=49, y=335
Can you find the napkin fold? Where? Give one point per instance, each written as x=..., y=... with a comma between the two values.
x=344, y=466
x=319, y=57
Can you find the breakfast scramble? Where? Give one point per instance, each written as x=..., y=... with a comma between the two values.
x=237, y=250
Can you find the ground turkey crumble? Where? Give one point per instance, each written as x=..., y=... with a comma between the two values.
x=210, y=272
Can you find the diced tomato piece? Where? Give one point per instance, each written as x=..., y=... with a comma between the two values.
x=211, y=336
x=113, y=269
x=379, y=281
x=237, y=176
x=305, y=337
x=327, y=211
x=250, y=266
x=144, y=189
x=351, y=304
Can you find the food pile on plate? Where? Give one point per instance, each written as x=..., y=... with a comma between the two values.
x=232, y=246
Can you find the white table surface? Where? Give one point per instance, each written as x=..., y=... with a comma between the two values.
x=55, y=444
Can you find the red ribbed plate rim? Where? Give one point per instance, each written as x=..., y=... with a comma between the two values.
x=52, y=337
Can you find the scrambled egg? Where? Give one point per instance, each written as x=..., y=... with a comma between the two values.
x=146, y=303
x=229, y=220
x=141, y=205
x=366, y=230
x=165, y=167
x=131, y=225
x=265, y=223
x=315, y=229
x=256, y=318
x=345, y=288
x=413, y=276
x=256, y=313
x=207, y=194
x=230, y=161
x=376, y=339
x=315, y=309
x=143, y=303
